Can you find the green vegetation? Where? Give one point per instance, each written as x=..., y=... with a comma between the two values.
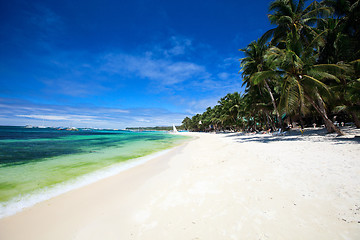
x=306, y=70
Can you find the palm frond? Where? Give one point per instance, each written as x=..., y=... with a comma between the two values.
x=284, y=20
x=259, y=77
x=322, y=75
x=280, y=6
x=340, y=108
x=316, y=82
x=333, y=68
x=289, y=97
x=300, y=6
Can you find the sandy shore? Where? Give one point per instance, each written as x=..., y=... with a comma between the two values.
x=217, y=186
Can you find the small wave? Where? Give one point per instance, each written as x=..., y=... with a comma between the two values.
x=21, y=202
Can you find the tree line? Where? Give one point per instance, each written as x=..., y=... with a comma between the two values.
x=304, y=70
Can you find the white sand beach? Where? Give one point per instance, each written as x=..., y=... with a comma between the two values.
x=216, y=186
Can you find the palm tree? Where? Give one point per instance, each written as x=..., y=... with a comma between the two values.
x=294, y=17
x=342, y=33
x=254, y=111
x=186, y=123
x=230, y=108
x=296, y=40
x=312, y=54
x=215, y=118
x=302, y=78
x=342, y=46
x=254, y=62
x=348, y=92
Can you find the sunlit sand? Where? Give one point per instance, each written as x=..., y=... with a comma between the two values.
x=216, y=186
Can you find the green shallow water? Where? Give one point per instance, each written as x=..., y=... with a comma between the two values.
x=40, y=160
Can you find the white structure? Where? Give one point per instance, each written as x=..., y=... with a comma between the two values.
x=174, y=129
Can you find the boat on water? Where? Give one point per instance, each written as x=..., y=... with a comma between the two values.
x=174, y=129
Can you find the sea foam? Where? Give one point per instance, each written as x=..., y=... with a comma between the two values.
x=21, y=202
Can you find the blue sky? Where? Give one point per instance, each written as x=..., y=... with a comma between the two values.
x=119, y=64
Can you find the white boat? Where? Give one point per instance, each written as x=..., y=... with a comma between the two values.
x=174, y=129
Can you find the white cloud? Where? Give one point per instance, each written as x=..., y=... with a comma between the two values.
x=67, y=86
x=199, y=105
x=162, y=71
x=179, y=46
x=45, y=117
x=24, y=113
x=223, y=75
x=119, y=110
x=168, y=64
x=142, y=120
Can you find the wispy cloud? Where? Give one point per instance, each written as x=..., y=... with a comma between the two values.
x=179, y=46
x=171, y=67
x=175, y=68
x=200, y=105
x=165, y=72
x=45, y=117
x=73, y=86
x=23, y=113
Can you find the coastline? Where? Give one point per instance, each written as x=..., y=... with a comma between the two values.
x=216, y=186
x=21, y=202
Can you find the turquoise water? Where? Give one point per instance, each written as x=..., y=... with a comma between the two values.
x=37, y=160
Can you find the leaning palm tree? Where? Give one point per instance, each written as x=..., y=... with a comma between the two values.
x=342, y=46
x=348, y=92
x=302, y=78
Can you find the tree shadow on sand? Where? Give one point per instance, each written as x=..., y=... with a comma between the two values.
x=310, y=134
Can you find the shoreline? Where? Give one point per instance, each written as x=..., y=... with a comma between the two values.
x=216, y=186
x=19, y=203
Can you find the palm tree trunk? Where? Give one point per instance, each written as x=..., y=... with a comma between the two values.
x=323, y=114
x=270, y=122
x=274, y=103
x=301, y=121
x=233, y=118
x=321, y=106
x=355, y=118
x=300, y=117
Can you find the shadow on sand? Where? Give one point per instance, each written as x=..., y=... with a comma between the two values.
x=310, y=134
